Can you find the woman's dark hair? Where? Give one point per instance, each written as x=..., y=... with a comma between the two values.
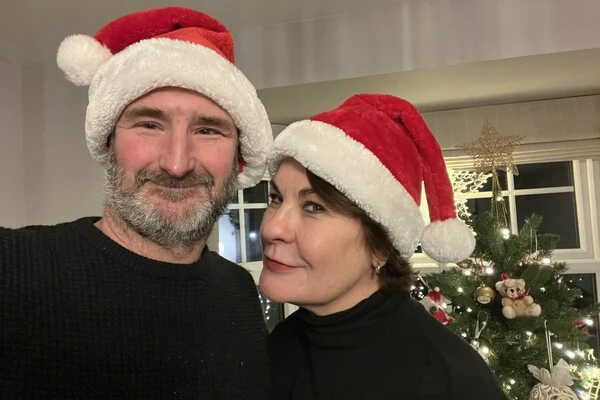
x=397, y=274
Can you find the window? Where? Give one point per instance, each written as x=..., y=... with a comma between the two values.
x=239, y=226
x=542, y=189
x=239, y=240
x=273, y=312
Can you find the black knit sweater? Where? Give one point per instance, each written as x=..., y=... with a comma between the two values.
x=388, y=347
x=83, y=318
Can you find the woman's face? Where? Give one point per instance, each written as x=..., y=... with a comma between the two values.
x=314, y=257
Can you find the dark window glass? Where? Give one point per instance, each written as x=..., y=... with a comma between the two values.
x=532, y=176
x=257, y=194
x=272, y=312
x=478, y=206
x=253, y=220
x=559, y=213
x=501, y=178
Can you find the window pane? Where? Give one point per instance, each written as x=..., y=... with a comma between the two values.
x=559, y=213
x=272, y=312
x=253, y=219
x=587, y=284
x=229, y=236
x=543, y=175
x=234, y=199
x=501, y=178
x=479, y=206
x=257, y=194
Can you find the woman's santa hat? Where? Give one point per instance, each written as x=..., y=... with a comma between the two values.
x=166, y=47
x=378, y=151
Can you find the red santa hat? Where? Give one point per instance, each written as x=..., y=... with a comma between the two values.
x=378, y=151
x=171, y=46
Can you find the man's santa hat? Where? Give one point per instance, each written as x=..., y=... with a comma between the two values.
x=166, y=47
x=378, y=151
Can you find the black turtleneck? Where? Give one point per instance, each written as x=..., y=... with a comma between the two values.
x=84, y=318
x=387, y=347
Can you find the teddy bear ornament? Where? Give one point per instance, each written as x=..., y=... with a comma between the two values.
x=516, y=301
x=553, y=385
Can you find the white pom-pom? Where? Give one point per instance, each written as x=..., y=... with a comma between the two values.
x=80, y=57
x=448, y=241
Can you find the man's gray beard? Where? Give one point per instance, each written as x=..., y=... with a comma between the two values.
x=184, y=229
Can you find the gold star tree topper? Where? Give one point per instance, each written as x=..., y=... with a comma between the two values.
x=492, y=151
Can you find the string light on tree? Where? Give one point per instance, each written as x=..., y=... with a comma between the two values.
x=509, y=345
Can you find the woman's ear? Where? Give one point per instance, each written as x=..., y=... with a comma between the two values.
x=378, y=260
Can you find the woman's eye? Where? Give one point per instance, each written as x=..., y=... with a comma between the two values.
x=274, y=198
x=313, y=207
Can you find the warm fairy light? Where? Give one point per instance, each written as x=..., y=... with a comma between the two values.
x=545, y=261
x=558, y=345
x=489, y=270
x=466, y=272
x=469, y=309
x=569, y=354
x=588, y=322
x=460, y=290
x=528, y=333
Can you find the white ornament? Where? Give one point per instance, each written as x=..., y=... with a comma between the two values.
x=553, y=385
x=463, y=184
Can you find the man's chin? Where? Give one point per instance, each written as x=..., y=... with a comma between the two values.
x=176, y=195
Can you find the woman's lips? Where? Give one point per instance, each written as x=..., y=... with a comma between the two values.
x=277, y=266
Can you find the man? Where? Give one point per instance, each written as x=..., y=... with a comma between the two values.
x=133, y=304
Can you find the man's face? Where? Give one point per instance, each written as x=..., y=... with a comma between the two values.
x=173, y=166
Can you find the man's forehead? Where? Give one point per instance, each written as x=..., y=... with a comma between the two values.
x=173, y=99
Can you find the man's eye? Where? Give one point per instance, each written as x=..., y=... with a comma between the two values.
x=148, y=125
x=208, y=131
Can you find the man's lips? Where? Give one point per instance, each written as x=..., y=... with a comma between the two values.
x=276, y=266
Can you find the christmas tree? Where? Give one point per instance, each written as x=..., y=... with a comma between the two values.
x=509, y=300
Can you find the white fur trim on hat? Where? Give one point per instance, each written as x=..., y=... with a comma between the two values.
x=345, y=163
x=448, y=241
x=162, y=62
x=80, y=57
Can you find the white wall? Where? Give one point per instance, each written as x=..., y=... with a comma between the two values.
x=12, y=187
x=414, y=35
x=63, y=182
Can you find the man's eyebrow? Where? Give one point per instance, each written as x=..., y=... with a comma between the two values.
x=137, y=112
x=216, y=122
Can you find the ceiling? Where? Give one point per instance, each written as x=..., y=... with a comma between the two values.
x=31, y=30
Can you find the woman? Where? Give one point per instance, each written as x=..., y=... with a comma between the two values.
x=343, y=220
